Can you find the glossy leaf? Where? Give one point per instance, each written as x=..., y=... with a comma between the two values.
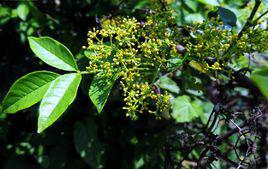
x=260, y=78
x=53, y=53
x=87, y=143
x=27, y=91
x=60, y=94
x=168, y=84
x=183, y=110
x=100, y=89
x=227, y=16
x=23, y=11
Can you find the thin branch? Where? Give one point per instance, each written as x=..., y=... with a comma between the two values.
x=164, y=5
x=247, y=24
x=262, y=15
x=229, y=134
x=250, y=18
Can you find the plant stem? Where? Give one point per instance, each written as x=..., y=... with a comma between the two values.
x=247, y=24
x=250, y=18
x=84, y=72
x=256, y=20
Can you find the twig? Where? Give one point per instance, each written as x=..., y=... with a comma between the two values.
x=227, y=135
x=247, y=24
x=164, y=6
x=250, y=18
x=256, y=20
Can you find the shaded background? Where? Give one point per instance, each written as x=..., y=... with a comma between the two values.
x=81, y=138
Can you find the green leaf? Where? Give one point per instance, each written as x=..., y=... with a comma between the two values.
x=27, y=91
x=23, y=11
x=100, y=89
x=192, y=4
x=87, y=143
x=183, y=110
x=228, y=17
x=260, y=78
x=5, y=15
x=168, y=84
x=204, y=109
x=210, y=2
x=265, y=2
x=174, y=63
x=60, y=94
x=53, y=53
x=141, y=4
x=194, y=17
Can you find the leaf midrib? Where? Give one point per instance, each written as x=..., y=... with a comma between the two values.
x=61, y=58
x=66, y=89
x=25, y=96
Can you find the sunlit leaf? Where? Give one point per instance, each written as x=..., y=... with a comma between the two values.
x=260, y=78
x=27, y=91
x=53, y=53
x=23, y=11
x=194, y=17
x=5, y=15
x=168, y=84
x=183, y=110
x=191, y=4
x=210, y=2
x=60, y=94
x=265, y=2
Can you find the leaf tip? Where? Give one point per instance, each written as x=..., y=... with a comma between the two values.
x=99, y=109
x=40, y=129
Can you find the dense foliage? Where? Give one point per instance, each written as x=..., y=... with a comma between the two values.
x=152, y=84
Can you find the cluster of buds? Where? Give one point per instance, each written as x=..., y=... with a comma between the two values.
x=137, y=51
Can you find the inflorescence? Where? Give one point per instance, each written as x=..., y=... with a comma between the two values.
x=139, y=52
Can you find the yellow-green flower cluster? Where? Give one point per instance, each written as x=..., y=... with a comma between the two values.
x=138, y=52
x=207, y=44
x=253, y=40
x=212, y=46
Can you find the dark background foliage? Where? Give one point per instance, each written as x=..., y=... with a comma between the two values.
x=82, y=138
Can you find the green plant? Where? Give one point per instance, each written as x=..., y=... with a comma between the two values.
x=155, y=67
x=138, y=53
